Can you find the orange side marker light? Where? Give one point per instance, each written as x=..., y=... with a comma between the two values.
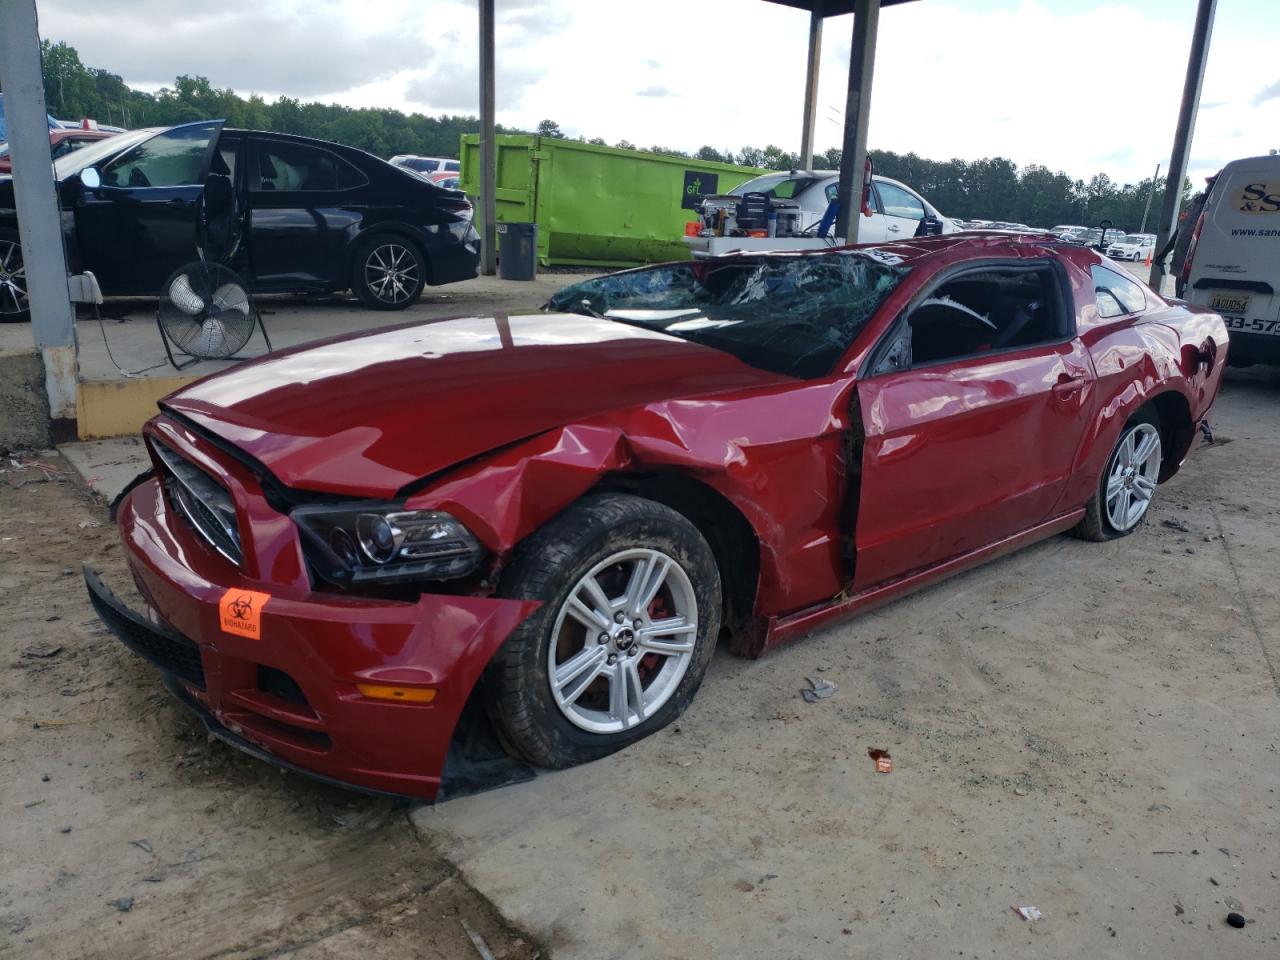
x=383, y=691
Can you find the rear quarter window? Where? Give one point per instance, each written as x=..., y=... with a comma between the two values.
x=1117, y=295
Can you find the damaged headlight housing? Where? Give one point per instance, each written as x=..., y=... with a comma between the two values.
x=353, y=544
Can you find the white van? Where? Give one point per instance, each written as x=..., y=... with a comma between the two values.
x=1233, y=263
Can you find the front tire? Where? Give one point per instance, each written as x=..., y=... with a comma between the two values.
x=388, y=272
x=1128, y=483
x=14, y=305
x=631, y=602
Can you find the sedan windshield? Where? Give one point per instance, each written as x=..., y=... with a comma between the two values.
x=779, y=186
x=93, y=153
x=794, y=315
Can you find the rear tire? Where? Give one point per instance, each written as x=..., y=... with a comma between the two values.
x=14, y=305
x=388, y=272
x=630, y=614
x=1122, y=499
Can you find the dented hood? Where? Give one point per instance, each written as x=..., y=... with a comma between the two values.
x=367, y=415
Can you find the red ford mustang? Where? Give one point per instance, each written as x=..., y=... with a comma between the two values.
x=549, y=519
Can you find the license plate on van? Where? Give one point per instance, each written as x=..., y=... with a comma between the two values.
x=1229, y=303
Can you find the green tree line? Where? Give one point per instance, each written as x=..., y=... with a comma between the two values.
x=993, y=188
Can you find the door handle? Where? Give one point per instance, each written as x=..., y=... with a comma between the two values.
x=177, y=202
x=1067, y=384
x=894, y=228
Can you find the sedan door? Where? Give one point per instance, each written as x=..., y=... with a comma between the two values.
x=871, y=229
x=139, y=225
x=972, y=416
x=302, y=212
x=902, y=211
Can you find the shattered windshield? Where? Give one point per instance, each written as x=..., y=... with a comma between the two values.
x=794, y=315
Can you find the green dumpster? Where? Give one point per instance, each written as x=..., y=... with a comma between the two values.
x=594, y=205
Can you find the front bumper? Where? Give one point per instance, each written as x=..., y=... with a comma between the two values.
x=291, y=694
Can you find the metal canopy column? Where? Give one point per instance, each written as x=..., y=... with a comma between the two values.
x=811, y=86
x=857, y=113
x=39, y=223
x=488, y=155
x=1196, y=60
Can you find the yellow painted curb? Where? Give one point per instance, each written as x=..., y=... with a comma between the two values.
x=118, y=408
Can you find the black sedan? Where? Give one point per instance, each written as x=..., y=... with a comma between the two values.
x=289, y=214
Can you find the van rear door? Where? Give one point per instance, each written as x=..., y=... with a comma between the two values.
x=1235, y=266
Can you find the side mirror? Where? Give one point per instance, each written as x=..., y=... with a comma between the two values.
x=929, y=227
x=90, y=178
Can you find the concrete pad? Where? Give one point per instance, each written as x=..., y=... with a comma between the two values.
x=1087, y=728
x=107, y=466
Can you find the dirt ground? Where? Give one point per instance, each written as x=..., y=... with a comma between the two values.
x=125, y=834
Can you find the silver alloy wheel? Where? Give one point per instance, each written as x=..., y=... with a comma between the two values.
x=391, y=273
x=1131, y=483
x=13, y=279
x=622, y=641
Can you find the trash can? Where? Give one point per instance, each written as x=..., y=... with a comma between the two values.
x=517, y=251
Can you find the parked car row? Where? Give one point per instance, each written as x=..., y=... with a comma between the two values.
x=287, y=213
x=61, y=142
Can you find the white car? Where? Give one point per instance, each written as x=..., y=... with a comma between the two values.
x=897, y=210
x=1136, y=246
x=425, y=165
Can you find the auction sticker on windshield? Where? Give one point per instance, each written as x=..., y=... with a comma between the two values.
x=1229, y=303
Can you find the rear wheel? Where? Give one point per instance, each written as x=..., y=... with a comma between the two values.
x=1128, y=482
x=388, y=273
x=630, y=613
x=14, y=305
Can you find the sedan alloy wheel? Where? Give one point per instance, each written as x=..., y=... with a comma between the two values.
x=1131, y=481
x=391, y=273
x=623, y=640
x=13, y=281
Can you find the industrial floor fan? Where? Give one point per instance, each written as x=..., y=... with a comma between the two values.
x=206, y=312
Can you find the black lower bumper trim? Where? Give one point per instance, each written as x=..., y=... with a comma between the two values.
x=158, y=644
x=216, y=727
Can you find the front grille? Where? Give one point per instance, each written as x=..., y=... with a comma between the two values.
x=167, y=649
x=205, y=503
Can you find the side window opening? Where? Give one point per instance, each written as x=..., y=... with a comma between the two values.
x=979, y=313
x=899, y=203
x=171, y=159
x=1116, y=295
x=299, y=167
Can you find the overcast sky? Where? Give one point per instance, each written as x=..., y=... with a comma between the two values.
x=1079, y=85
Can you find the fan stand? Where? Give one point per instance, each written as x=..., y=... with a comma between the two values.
x=164, y=337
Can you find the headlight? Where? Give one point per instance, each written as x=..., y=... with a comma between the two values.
x=383, y=543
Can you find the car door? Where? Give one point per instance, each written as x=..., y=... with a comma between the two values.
x=301, y=212
x=902, y=210
x=140, y=224
x=970, y=429
x=871, y=229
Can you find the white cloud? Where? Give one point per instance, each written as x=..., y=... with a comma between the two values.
x=1078, y=85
